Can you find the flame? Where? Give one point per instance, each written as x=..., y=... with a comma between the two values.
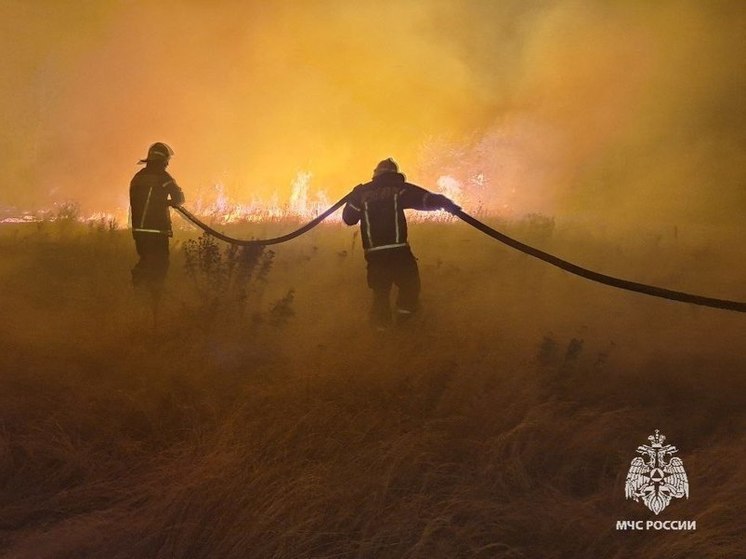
x=304, y=203
x=219, y=207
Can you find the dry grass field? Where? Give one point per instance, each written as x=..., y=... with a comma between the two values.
x=262, y=418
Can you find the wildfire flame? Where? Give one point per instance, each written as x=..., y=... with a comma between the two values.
x=218, y=207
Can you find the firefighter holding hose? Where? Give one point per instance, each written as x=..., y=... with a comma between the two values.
x=379, y=207
x=152, y=192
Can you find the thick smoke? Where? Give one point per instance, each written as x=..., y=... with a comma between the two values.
x=629, y=112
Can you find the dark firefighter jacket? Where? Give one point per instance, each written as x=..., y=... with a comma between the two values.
x=152, y=191
x=379, y=206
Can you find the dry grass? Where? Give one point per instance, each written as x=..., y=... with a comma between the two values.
x=500, y=424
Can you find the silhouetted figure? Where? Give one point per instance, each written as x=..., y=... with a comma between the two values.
x=379, y=207
x=152, y=191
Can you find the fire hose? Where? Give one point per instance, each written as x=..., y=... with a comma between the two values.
x=254, y=242
x=489, y=231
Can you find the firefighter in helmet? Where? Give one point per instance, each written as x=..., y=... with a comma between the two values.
x=379, y=207
x=152, y=191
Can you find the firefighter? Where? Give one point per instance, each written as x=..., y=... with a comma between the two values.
x=152, y=191
x=379, y=207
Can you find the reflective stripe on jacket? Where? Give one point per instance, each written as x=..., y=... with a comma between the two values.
x=152, y=190
x=379, y=207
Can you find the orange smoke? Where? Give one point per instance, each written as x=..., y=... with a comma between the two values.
x=631, y=110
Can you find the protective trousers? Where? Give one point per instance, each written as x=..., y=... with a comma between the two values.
x=388, y=267
x=150, y=271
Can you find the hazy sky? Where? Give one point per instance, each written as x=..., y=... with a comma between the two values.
x=629, y=110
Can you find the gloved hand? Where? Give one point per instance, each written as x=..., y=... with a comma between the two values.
x=445, y=203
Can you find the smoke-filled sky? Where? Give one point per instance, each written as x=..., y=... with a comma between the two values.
x=626, y=110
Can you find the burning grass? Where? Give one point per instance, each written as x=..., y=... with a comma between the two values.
x=263, y=419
